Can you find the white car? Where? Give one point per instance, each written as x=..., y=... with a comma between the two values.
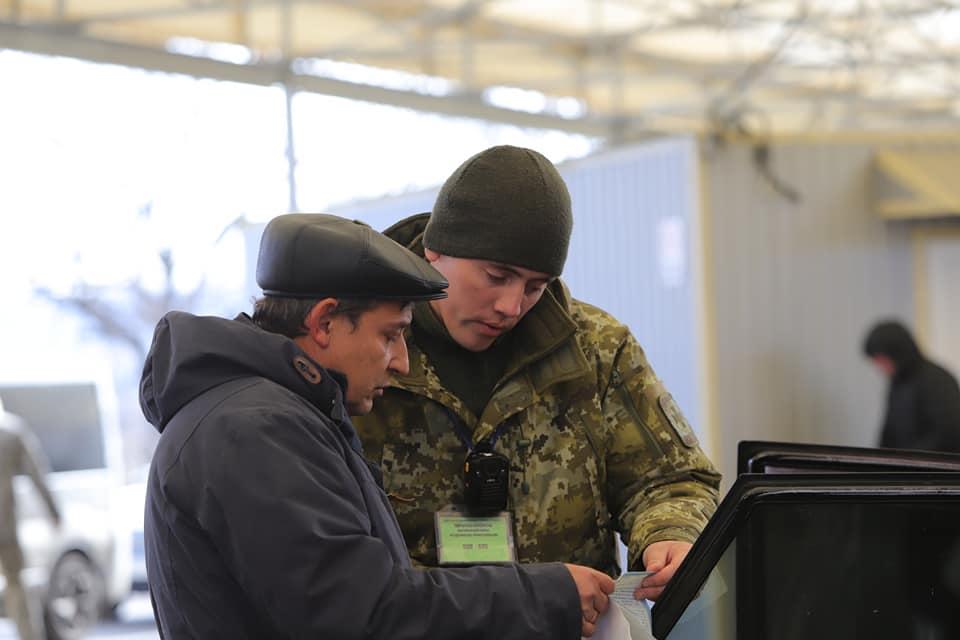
x=134, y=495
x=82, y=568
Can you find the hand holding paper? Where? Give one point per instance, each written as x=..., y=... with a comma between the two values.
x=661, y=560
x=593, y=587
x=627, y=618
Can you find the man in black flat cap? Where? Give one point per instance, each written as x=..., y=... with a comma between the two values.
x=263, y=518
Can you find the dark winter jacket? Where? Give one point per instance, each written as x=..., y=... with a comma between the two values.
x=264, y=520
x=923, y=401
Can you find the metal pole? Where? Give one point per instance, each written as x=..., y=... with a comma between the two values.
x=286, y=37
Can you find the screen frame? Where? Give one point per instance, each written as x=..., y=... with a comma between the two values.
x=759, y=456
x=751, y=490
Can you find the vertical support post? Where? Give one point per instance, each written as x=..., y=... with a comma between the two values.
x=286, y=40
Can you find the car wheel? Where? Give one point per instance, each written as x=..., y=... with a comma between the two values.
x=74, y=598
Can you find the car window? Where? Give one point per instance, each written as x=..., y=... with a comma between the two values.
x=65, y=419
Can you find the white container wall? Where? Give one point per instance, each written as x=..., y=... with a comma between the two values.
x=794, y=287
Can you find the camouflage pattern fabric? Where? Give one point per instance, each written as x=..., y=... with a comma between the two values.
x=596, y=444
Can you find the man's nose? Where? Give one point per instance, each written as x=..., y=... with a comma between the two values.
x=510, y=301
x=400, y=361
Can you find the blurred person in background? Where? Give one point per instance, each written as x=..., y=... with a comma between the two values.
x=263, y=518
x=923, y=398
x=511, y=369
x=19, y=454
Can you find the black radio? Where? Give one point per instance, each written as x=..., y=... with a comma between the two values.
x=485, y=478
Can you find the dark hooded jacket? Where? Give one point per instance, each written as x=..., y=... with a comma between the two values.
x=923, y=400
x=264, y=520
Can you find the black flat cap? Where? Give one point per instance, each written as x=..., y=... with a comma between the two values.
x=315, y=255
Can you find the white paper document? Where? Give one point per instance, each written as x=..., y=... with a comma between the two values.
x=626, y=619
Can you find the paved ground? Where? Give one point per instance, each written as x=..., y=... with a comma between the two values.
x=135, y=623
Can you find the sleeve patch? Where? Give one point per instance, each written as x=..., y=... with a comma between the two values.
x=675, y=417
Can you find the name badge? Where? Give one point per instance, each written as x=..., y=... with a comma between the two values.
x=466, y=539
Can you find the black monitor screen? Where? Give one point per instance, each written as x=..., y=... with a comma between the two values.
x=844, y=569
x=796, y=557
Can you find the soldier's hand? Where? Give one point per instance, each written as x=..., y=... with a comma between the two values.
x=593, y=587
x=662, y=558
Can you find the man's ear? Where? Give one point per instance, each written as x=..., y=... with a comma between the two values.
x=319, y=321
x=430, y=255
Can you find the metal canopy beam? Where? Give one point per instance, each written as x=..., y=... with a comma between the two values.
x=55, y=43
x=707, y=62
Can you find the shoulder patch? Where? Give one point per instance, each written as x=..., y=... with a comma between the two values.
x=675, y=417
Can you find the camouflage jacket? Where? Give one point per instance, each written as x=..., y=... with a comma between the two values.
x=595, y=441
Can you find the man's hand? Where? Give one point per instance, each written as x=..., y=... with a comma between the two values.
x=662, y=558
x=593, y=587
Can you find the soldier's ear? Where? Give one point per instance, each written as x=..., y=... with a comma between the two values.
x=319, y=321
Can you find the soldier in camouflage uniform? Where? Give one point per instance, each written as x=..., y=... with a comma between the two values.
x=596, y=444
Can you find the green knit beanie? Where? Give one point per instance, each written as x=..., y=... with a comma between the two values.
x=506, y=204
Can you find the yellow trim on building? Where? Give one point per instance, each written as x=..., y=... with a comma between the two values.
x=927, y=178
x=707, y=321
